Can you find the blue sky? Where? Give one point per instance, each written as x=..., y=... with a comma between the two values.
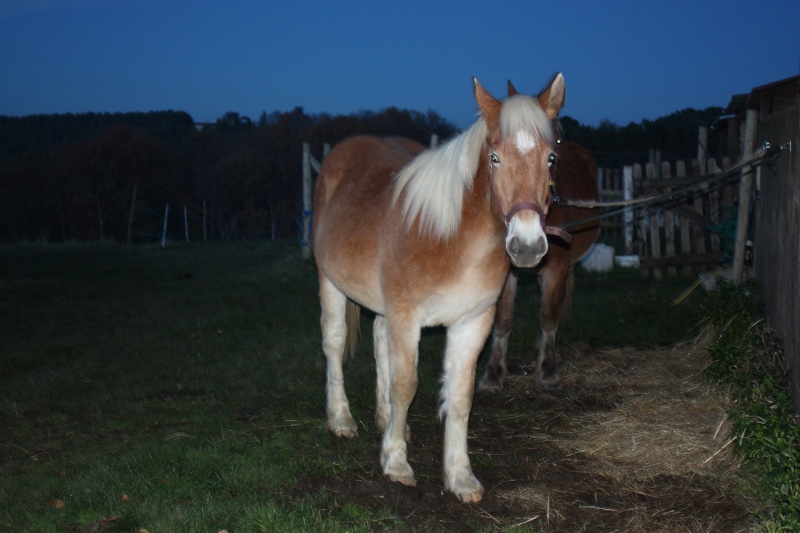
x=623, y=61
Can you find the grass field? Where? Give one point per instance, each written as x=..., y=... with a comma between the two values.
x=182, y=389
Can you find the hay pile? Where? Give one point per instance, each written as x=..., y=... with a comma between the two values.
x=636, y=441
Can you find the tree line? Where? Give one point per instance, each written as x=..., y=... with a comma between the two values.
x=103, y=176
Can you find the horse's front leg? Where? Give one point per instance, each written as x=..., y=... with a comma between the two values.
x=553, y=280
x=496, y=370
x=403, y=344
x=383, y=406
x=464, y=343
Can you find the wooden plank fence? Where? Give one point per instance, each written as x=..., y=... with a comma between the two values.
x=691, y=234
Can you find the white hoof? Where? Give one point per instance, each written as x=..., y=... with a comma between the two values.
x=343, y=426
x=399, y=471
x=467, y=488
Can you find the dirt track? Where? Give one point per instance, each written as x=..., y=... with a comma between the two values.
x=636, y=441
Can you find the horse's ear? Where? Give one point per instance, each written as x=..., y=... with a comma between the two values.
x=552, y=98
x=489, y=106
x=511, y=89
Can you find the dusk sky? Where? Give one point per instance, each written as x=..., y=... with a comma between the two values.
x=623, y=61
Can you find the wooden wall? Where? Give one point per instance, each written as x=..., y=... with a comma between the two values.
x=777, y=237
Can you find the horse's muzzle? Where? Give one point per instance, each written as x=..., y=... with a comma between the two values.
x=526, y=253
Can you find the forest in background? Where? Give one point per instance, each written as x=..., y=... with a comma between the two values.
x=76, y=177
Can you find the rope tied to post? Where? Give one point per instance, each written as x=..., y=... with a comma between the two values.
x=767, y=154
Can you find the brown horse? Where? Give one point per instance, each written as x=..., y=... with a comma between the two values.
x=426, y=238
x=575, y=176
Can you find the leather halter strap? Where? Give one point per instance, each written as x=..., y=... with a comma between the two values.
x=529, y=206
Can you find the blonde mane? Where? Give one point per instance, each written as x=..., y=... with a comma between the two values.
x=433, y=184
x=522, y=113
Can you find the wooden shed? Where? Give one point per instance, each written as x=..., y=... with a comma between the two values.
x=776, y=218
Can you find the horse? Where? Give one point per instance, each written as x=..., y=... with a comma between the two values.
x=574, y=176
x=426, y=238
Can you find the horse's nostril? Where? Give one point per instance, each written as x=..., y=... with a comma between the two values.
x=513, y=246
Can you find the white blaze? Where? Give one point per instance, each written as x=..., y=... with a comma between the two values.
x=525, y=141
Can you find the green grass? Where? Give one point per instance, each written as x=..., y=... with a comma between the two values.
x=182, y=389
x=617, y=308
x=186, y=379
x=749, y=357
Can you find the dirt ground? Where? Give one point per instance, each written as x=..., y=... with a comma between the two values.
x=636, y=441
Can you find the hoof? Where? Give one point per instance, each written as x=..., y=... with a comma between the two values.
x=400, y=473
x=489, y=384
x=468, y=489
x=472, y=497
x=550, y=383
x=346, y=428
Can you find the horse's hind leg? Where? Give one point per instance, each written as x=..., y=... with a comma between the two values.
x=334, y=335
x=495, y=373
x=553, y=284
x=383, y=406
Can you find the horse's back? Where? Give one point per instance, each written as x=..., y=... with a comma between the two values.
x=576, y=180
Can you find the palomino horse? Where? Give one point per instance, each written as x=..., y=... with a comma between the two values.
x=426, y=238
x=575, y=176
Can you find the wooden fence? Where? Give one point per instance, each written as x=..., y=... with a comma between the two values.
x=692, y=233
x=777, y=222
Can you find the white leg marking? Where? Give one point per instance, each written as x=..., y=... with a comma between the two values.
x=464, y=342
x=382, y=405
x=334, y=332
x=403, y=341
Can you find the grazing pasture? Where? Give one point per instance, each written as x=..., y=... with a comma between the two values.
x=183, y=389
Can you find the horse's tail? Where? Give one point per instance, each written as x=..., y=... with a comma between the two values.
x=566, y=304
x=353, y=320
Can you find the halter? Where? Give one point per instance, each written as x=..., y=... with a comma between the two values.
x=531, y=206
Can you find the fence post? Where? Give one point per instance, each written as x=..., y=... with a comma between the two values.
x=204, y=221
x=702, y=148
x=669, y=221
x=686, y=236
x=655, y=229
x=742, y=222
x=627, y=195
x=714, y=214
x=164, y=233
x=640, y=214
x=305, y=236
x=132, y=213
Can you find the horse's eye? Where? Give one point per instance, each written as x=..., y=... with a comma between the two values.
x=495, y=159
x=551, y=159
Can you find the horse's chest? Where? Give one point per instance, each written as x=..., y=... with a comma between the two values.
x=466, y=297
